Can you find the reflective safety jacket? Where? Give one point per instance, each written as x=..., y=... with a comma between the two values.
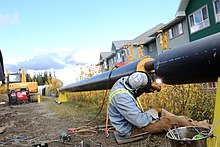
x=123, y=110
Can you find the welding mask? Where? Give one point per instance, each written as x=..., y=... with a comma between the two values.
x=139, y=82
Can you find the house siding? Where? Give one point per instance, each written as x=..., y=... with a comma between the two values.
x=135, y=55
x=179, y=40
x=150, y=50
x=113, y=47
x=146, y=50
x=212, y=29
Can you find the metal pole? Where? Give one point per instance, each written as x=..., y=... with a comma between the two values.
x=215, y=141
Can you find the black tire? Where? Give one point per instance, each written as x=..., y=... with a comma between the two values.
x=29, y=99
x=9, y=100
x=13, y=100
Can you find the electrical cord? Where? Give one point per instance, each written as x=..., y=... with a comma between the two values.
x=104, y=99
x=84, y=130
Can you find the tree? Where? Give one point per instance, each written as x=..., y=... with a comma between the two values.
x=28, y=78
x=35, y=78
x=54, y=85
x=40, y=79
x=45, y=77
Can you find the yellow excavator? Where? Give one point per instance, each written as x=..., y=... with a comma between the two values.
x=18, y=89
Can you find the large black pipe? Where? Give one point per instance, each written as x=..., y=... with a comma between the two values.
x=195, y=62
x=101, y=81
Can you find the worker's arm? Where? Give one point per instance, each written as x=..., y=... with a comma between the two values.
x=126, y=105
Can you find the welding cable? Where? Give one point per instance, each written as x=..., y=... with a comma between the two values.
x=13, y=141
x=81, y=132
x=104, y=98
x=88, y=133
x=96, y=143
x=90, y=129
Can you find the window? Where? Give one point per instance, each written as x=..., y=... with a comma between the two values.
x=151, y=47
x=14, y=78
x=112, y=61
x=176, y=31
x=119, y=57
x=216, y=5
x=105, y=65
x=199, y=19
x=212, y=85
x=123, y=53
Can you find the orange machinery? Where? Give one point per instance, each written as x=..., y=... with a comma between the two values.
x=19, y=89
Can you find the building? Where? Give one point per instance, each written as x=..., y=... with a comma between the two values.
x=193, y=20
x=147, y=43
x=115, y=57
x=177, y=33
x=107, y=60
x=119, y=48
x=127, y=51
x=203, y=17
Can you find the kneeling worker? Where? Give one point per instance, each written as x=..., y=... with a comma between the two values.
x=128, y=119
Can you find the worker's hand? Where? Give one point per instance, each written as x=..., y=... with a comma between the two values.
x=153, y=87
x=156, y=87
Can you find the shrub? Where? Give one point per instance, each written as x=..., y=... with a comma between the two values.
x=192, y=100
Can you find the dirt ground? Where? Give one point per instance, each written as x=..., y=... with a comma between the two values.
x=32, y=124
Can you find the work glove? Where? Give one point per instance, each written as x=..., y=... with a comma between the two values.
x=153, y=113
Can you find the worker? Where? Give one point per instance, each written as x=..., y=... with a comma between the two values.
x=128, y=119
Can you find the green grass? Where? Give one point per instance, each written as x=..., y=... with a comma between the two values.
x=78, y=110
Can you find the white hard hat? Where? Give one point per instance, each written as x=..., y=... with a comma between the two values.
x=138, y=80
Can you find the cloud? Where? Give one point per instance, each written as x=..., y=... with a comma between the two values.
x=83, y=57
x=54, y=59
x=40, y=62
x=69, y=74
x=65, y=63
x=70, y=59
x=9, y=18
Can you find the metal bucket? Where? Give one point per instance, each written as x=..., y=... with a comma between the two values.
x=191, y=136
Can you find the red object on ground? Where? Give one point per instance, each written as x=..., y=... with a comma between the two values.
x=120, y=64
x=71, y=129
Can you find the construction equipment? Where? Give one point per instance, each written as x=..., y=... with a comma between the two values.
x=18, y=89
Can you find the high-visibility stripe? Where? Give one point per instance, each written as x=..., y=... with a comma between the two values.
x=118, y=91
x=122, y=90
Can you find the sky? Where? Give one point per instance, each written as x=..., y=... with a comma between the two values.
x=63, y=35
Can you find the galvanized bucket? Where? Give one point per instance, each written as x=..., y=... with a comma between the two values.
x=190, y=136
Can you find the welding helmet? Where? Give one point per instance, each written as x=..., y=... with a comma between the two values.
x=139, y=82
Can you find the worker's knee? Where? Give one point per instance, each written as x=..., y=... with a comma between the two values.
x=161, y=125
x=166, y=113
